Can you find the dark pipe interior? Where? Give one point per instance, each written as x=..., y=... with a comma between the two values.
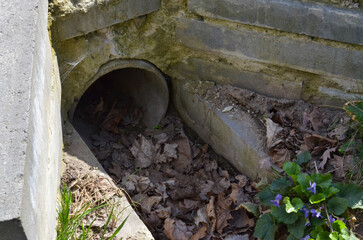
x=127, y=90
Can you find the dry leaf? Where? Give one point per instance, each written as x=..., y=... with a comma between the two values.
x=163, y=212
x=201, y=216
x=272, y=129
x=316, y=120
x=279, y=157
x=149, y=202
x=237, y=195
x=326, y=156
x=143, y=152
x=201, y=233
x=184, y=160
x=169, y=228
x=176, y=229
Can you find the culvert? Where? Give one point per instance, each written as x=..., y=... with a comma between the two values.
x=129, y=82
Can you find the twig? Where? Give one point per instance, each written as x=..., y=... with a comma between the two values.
x=327, y=215
x=316, y=167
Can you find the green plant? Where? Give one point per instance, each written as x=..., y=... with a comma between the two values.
x=69, y=222
x=354, y=145
x=310, y=206
x=157, y=127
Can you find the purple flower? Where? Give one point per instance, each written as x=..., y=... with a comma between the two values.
x=315, y=213
x=331, y=219
x=306, y=237
x=277, y=200
x=305, y=212
x=307, y=223
x=312, y=187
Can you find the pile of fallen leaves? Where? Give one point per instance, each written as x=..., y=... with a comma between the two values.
x=178, y=186
x=293, y=127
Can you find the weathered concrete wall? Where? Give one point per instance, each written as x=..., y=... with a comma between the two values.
x=101, y=14
x=222, y=48
x=30, y=136
x=192, y=41
x=311, y=19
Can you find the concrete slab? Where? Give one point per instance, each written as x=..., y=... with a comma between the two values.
x=309, y=18
x=280, y=50
x=237, y=140
x=97, y=16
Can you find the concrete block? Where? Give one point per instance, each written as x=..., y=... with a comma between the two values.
x=30, y=136
x=239, y=141
x=280, y=50
x=312, y=19
x=222, y=73
x=78, y=23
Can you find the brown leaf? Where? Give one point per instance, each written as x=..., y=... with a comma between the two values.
x=143, y=152
x=201, y=233
x=201, y=216
x=313, y=140
x=341, y=164
x=175, y=229
x=169, y=228
x=237, y=195
x=242, y=180
x=326, y=156
x=339, y=132
x=163, y=212
x=223, y=212
x=184, y=160
x=188, y=204
x=272, y=130
x=316, y=120
x=224, y=183
x=168, y=153
x=149, y=202
x=279, y=157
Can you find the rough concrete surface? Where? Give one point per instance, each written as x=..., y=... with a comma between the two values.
x=30, y=136
x=222, y=73
x=281, y=50
x=134, y=228
x=236, y=140
x=309, y=18
x=96, y=17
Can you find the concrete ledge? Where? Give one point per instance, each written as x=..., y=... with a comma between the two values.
x=303, y=55
x=96, y=17
x=222, y=73
x=134, y=228
x=236, y=140
x=312, y=19
x=30, y=135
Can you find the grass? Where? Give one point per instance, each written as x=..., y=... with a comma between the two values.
x=354, y=145
x=70, y=224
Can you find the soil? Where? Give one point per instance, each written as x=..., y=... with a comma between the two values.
x=181, y=190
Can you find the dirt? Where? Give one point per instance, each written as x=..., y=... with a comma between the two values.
x=91, y=188
x=180, y=189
